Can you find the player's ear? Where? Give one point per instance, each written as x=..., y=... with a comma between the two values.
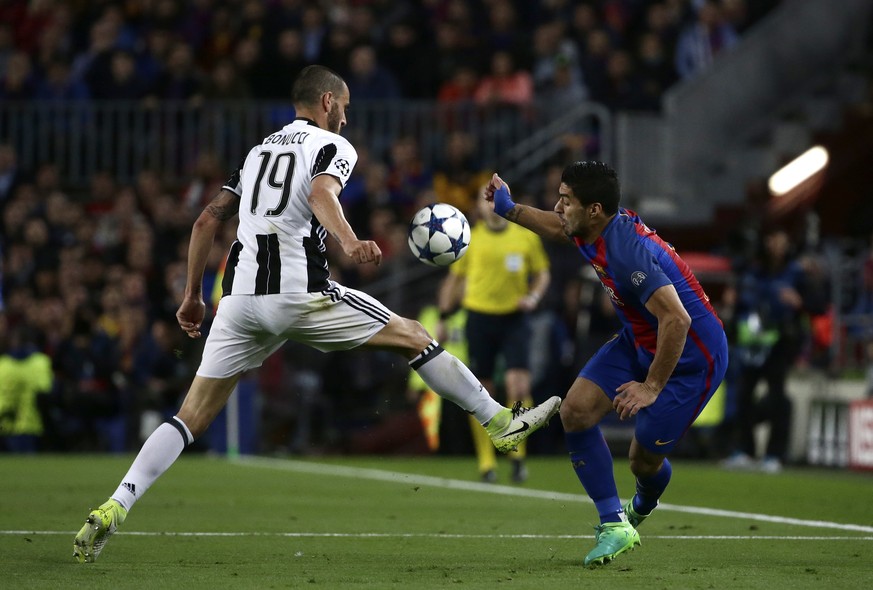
x=326, y=101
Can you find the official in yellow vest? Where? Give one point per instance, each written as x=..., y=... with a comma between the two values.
x=499, y=281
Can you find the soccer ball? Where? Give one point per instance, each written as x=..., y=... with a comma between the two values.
x=439, y=234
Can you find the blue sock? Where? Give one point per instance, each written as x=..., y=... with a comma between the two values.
x=649, y=489
x=592, y=463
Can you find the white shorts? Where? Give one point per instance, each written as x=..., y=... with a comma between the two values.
x=249, y=328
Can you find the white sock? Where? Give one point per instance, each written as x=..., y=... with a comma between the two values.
x=159, y=451
x=451, y=379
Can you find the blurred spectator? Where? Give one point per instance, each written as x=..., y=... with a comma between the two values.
x=224, y=83
x=336, y=49
x=181, y=80
x=55, y=41
x=503, y=33
x=221, y=35
x=252, y=67
x=595, y=64
x=94, y=64
x=10, y=174
x=25, y=374
x=367, y=79
x=407, y=174
x=449, y=52
x=656, y=73
x=460, y=87
x=85, y=364
x=504, y=84
x=459, y=175
x=623, y=90
x=151, y=60
x=771, y=301
x=7, y=46
x=552, y=50
x=314, y=30
x=19, y=83
x=59, y=85
x=285, y=63
x=207, y=179
x=563, y=91
x=122, y=82
x=703, y=39
x=402, y=54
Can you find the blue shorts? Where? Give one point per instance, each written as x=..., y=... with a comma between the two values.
x=660, y=426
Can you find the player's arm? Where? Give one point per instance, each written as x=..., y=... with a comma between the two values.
x=538, y=285
x=545, y=223
x=673, y=324
x=325, y=205
x=223, y=207
x=451, y=293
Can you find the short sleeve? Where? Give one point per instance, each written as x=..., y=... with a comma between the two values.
x=336, y=157
x=234, y=183
x=639, y=271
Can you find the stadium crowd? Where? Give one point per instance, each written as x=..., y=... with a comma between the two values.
x=91, y=279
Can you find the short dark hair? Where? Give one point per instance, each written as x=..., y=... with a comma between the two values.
x=312, y=82
x=593, y=182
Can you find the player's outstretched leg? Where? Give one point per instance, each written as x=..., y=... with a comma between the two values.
x=511, y=426
x=612, y=539
x=101, y=523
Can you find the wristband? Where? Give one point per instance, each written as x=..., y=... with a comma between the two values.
x=503, y=202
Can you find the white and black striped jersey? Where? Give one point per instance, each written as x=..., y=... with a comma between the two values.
x=280, y=244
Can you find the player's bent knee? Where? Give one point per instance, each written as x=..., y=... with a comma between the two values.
x=575, y=417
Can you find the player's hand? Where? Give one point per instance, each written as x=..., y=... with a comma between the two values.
x=442, y=332
x=363, y=251
x=497, y=192
x=528, y=303
x=494, y=184
x=190, y=316
x=632, y=397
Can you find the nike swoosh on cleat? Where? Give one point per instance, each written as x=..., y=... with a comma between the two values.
x=524, y=427
x=661, y=443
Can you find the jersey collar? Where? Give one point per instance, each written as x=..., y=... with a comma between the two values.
x=308, y=121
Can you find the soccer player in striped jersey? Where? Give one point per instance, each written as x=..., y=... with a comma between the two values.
x=661, y=368
x=277, y=287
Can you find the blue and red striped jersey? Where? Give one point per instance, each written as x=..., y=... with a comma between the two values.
x=632, y=262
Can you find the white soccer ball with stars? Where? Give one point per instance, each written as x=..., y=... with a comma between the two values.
x=439, y=234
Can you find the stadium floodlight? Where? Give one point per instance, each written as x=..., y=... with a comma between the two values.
x=798, y=170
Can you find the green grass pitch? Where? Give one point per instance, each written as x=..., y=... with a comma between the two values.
x=427, y=523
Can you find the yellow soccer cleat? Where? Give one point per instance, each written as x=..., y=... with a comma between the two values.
x=101, y=523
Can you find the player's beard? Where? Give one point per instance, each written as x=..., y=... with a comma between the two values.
x=333, y=118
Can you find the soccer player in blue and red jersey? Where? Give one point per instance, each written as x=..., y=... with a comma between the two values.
x=662, y=367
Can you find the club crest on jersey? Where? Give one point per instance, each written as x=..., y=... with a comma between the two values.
x=599, y=269
x=343, y=166
x=638, y=277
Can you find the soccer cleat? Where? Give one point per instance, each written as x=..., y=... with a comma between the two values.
x=613, y=539
x=634, y=517
x=510, y=427
x=101, y=523
x=489, y=476
x=519, y=471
